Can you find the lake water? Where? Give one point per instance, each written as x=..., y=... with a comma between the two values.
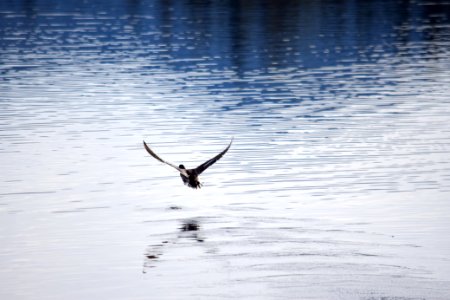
x=337, y=185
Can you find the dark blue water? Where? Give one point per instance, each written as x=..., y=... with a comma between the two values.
x=336, y=185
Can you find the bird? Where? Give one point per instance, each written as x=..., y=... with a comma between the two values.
x=190, y=176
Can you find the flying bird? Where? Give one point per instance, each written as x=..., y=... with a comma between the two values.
x=190, y=176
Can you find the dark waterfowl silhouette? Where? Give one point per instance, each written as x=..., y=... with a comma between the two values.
x=190, y=176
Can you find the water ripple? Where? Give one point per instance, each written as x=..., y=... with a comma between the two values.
x=336, y=185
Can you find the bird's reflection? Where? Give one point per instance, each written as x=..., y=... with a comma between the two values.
x=190, y=229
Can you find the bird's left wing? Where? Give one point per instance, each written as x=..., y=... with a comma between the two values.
x=158, y=158
x=210, y=162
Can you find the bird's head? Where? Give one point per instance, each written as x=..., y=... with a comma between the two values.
x=181, y=167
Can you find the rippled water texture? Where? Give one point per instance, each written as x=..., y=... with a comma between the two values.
x=337, y=185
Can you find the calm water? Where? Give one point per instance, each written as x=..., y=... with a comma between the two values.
x=337, y=185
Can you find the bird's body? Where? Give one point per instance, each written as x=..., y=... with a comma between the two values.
x=190, y=176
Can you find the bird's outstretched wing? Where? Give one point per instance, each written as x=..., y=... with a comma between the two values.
x=210, y=162
x=158, y=158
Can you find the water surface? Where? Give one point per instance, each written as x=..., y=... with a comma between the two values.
x=336, y=185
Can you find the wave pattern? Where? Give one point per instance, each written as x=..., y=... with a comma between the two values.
x=336, y=185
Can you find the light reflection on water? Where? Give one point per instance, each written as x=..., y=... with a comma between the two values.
x=336, y=185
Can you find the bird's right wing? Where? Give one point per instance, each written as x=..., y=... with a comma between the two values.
x=210, y=162
x=158, y=158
